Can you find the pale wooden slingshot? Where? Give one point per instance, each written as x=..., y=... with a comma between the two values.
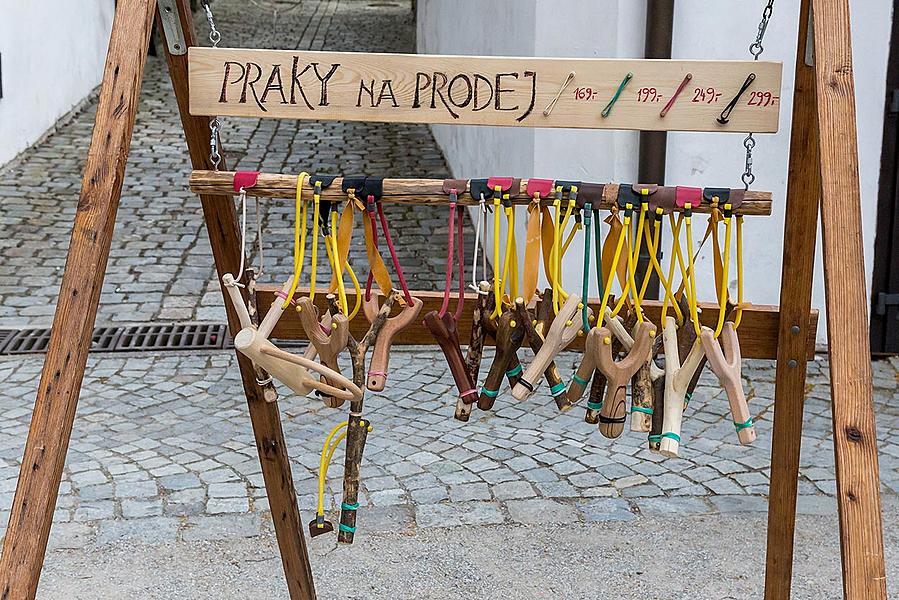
x=725, y=364
x=677, y=381
x=562, y=332
x=380, y=355
x=289, y=369
x=328, y=337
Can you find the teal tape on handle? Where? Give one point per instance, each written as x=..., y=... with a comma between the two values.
x=490, y=393
x=641, y=409
x=347, y=528
x=579, y=380
x=655, y=439
x=746, y=425
x=557, y=389
x=671, y=436
x=513, y=372
x=346, y=506
x=594, y=405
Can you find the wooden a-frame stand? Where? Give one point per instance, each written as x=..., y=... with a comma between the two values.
x=823, y=172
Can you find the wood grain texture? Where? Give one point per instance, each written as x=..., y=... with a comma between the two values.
x=758, y=331
x=220, y=217
x=477, y=90
x=57, y=397
x=855, y=436
x=413, y=191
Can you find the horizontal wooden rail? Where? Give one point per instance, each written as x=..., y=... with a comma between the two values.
x=412, y=191
x=758, y=329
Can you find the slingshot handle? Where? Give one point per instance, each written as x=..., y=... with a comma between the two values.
x=613, y=415
x=677, y=381
x=534, y=331
x=444, y=331
x=585, y=370
x=475, y=347
x=508, y=341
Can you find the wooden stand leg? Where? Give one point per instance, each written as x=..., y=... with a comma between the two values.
x=855, y=437
x=224, y=237
x=795, y=305
x=79, y=295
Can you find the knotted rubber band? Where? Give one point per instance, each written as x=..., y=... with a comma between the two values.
x=515, y=371
x=745, y=425
x=641, y=409
x=594, y=405
x=264, y=382
x=557, y=389
x=347, y=528
x=612, y=420
x=489, y=393
x=346, y=506
x=579, y=380
x=671, y=436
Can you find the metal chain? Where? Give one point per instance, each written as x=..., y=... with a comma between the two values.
x=215, y=125
x=756, y=49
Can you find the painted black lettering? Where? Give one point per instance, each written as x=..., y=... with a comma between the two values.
x=370, y=90
x=467, y=87
x=498, y=101
x=274, y=84
x=419, y=87
x=478, y=78
x=225, y=83
x=296, y=85
x=324, y=81
x=387, y=92
x=533, y=76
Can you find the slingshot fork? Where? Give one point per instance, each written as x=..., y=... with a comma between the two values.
x=328, y=345
x=510, y=334
x=613, y=414
x=677, y=380
x=377, y=368
x=562, y=332
x=641, y=415
x=725, y=364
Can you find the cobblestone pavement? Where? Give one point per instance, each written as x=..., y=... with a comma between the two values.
x=162, y=448
x=160, y=267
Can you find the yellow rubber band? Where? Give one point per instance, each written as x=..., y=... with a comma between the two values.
x=316, y=198
x=738, y=313
x=327, y=452
x=299, y=239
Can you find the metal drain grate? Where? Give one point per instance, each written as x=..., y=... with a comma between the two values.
x=128, y=338
x=172, y=336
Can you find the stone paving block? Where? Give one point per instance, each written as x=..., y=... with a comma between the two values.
x=537, y=511
x=221, y=527
x=465, y=492
x=463, y=513
x=738, y=504
x=606, y=509
x=155, y=530
x=672, y=506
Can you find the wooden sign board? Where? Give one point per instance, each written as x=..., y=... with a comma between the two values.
x=482, y=90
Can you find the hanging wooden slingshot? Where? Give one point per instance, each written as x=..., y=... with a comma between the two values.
x=328, y=337
x=442, y=324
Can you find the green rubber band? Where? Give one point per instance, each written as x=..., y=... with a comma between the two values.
x=513, y=372
x=641, y=409
x=557, y=389
x=346, y=506
x=671, y=436
x=490, y=393
x=578, y=380
x=594, y=405
x=608, y=109
x=655, y=438
x=347, y=528
x=746, y=425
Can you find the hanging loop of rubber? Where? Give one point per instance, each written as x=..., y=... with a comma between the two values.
x=299, y=239
x=456, y=222
x=376, y=202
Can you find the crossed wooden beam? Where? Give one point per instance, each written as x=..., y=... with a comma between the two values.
x=823, y=172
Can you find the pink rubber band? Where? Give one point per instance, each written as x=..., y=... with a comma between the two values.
x=471, y=391
x=378, y=374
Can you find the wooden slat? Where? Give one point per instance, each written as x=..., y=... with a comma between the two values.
x=855, y=437
x=795, y=301
x=758, y=331
x=481, y=90
x=412, y=191
x=224, y=237
x=60, y=385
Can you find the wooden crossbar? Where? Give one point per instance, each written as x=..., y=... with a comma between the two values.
x=758, y=330
x=415, y=191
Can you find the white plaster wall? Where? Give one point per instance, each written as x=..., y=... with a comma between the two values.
x=52, y=57
x=702, y=30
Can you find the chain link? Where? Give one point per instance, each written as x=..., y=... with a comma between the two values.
x=756, y=49
x=215, y=125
